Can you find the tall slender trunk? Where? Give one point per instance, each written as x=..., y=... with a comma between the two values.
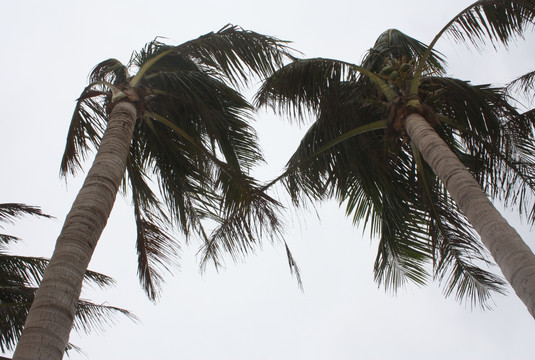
x=49, y=322
x=513, y=256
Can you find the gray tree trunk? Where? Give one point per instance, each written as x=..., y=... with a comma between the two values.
x=513, y=256
x=49, y=322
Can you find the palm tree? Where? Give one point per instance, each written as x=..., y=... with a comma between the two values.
x=19, y=278
x=179, y=119
x=374, y=124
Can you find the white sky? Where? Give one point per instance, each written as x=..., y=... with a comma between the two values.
x=251, y=310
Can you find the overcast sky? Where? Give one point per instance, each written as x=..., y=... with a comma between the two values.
x=250, y=310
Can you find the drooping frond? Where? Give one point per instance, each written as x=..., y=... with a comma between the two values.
x=20, y=276
x=89, y=119
x=237, y=54
x=21, y=269
x=85, y=132
x=95, y=317
x=224, y=113
x=457, y=253
x=489, y=135
x=232, y=53
x=524, y=84
x=500, y=21
x=294, y=268
x=239, y=232
x=109, y=71
x=403, y=250
x=11, y=211
x=16, y=302
x=300, y=87
x=157, y=251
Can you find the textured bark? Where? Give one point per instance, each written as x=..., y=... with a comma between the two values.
x=513, y=256
x=49, y=322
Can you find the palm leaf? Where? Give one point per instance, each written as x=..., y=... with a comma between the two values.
x=488, y=134
x=157, y=251
x=11, y=211
x=238, y=233
x=237, y=53
x=110, y=71
x=525, y=83
x=300, y=87
x=499, y=21
x=232, y=53
x=88, y=317
x=20, y=276
x=85, y=133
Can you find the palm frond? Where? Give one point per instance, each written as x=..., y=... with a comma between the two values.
x=25, y=269
x=11, y=211
x=237, y=53
x=294, y=268
x=499, y=21
x=20, y=276
x=88, y=121
x=85, y=132
x=225, y=114
x=319, y=159
x=157, y=252
x=488, y=134
x=98, y=279
x=524, y=84
x=299, y=88
x=240, y=231
x=231, y=53
x=90, y=316
x=403, y=250
x=111, y=71
x=474, y=107
x=456, y=268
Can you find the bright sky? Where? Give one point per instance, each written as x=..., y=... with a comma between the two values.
x=251, y=310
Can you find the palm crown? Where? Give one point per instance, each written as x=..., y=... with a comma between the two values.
x=357, y=151
x=192, y=135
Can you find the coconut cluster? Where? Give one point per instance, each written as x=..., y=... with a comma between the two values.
x=397, y=71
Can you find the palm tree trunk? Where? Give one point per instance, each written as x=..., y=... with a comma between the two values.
x=513, y=256
x=51, y=316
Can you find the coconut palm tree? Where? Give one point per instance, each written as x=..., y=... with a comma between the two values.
x=20, y=276
x=405, y=148
x=172, y=112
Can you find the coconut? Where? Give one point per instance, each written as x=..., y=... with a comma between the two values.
x=387, y=70
x=404, y=67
